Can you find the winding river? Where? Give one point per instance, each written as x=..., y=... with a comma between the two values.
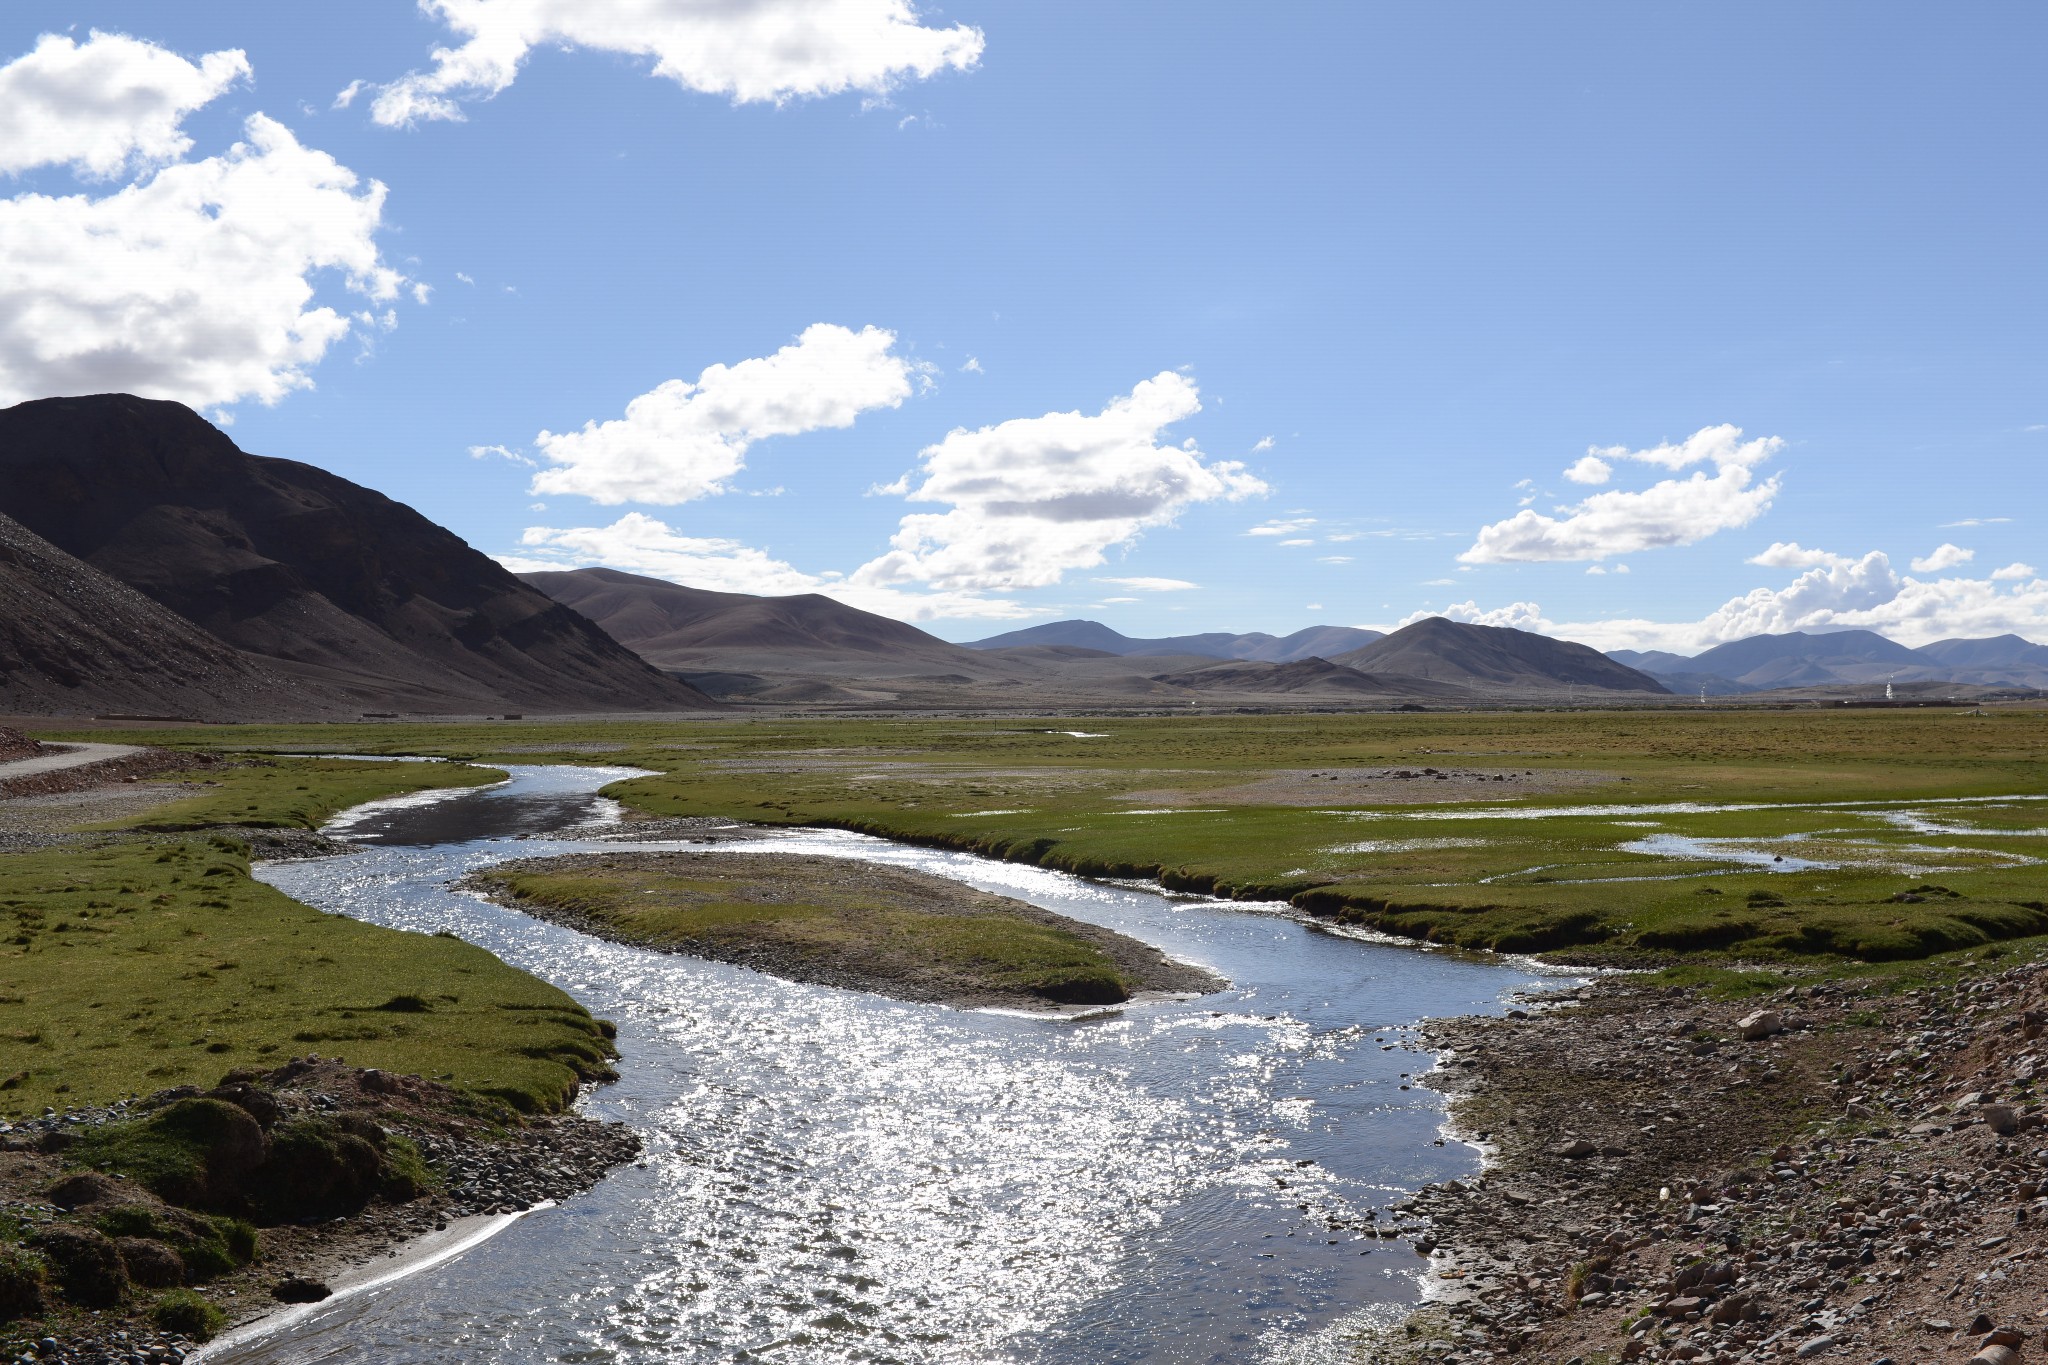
x=834, y=1177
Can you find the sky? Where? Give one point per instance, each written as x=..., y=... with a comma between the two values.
x=1652, y=326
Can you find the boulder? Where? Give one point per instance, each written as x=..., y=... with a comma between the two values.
x=1760, y=1024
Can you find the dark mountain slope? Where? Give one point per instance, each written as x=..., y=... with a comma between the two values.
x=1995, y=651
x=1491, y=657
x=1307, y=678
x=74, y=641
x=288, y=561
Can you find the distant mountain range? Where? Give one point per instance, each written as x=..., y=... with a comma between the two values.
x=1801, y=659
x=1325, y=642
x=345, y=600
x=148, y=565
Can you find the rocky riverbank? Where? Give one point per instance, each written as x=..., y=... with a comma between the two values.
x=133, y=1230
x=1832, y=1172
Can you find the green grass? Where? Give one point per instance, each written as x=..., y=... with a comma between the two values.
x=293, y=793
x=154, y=963
x=809, y=916
x=1022, y=790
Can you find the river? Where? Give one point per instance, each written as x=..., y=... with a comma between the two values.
x=835, y=1177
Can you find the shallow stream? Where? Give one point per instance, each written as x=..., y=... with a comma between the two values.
x=835, y=1177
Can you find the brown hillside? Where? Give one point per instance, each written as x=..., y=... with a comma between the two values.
x=1489, y=658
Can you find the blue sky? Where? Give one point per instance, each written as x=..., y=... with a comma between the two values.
x=1337, y=294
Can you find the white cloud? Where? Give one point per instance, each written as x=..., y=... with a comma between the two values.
x=1943, y=556
x=1035, y=497
x=1595, y=569
x=1297, y=541
x=196, y=283
x=638, y=543
x=1515, y=616
x=499, y=452
x=1842, y=594
x=682, y=440
x=1790, y=554
x=1333, y=559
x=973, y=366
x=750, y=50
x=107, y=105
x=1590, y=469
x=1264, y=443
x=1976, y=521
x=1670, y=512
x=1286, y=527
x=464, y=278
x=1152, y=584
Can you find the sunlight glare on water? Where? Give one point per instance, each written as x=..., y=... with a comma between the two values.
x=835, y=1177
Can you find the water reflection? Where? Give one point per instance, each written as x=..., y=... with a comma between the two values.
x=832, y=1177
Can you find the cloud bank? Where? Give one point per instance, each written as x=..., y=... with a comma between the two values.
x=751, y=50
x=1836, y=592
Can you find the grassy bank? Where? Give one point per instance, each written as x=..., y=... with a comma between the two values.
x=263, y=792
x=839, y=923
x=149, y=964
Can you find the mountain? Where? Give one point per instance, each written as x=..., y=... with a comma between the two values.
x=1651, y=660
x=338, y=585
x=1306, y=677
x=1800, y=659
x=1489, y=658
x=74, y=641
x=1997, y=651
x=1312, y=642
x=680, y=628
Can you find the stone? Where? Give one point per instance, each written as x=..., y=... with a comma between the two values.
x=1760, y=1024
x=1996, y=1355
x=299, y=1289
x=2000, y=1119
x=1813, y=1347
x=1574, y=1150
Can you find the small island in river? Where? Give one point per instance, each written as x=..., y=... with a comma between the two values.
x=839, y=922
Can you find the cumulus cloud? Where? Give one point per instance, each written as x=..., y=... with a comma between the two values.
x=196, y=281
x=686, y=440
x=1033, y=498
x=105, y=106
x=1590, y=469
x=638, y=543
x=750, y=50
x=1151, y=584
x=2014, y=572
x=1943, y=556
x=1669, y=512
x=1790, y=554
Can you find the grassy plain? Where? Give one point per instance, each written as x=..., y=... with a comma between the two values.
x=262, y=792
x=1829, y=792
